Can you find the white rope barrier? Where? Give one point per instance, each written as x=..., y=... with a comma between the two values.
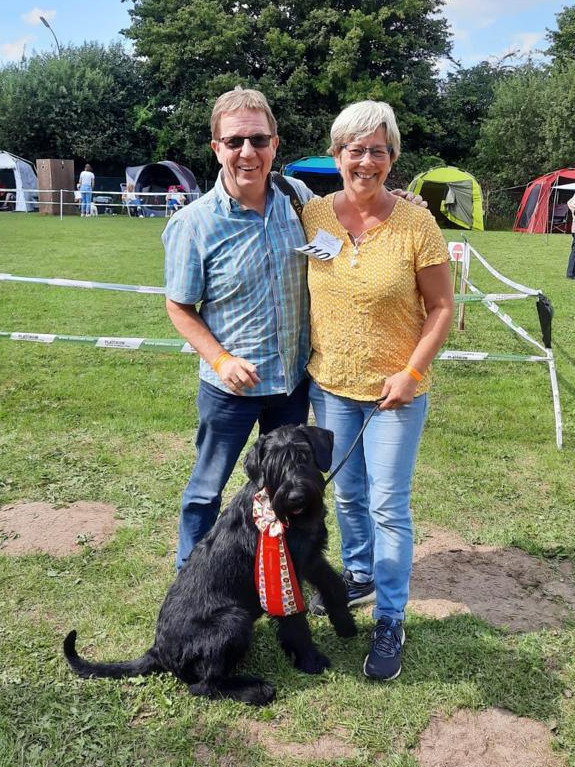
x=174, y=345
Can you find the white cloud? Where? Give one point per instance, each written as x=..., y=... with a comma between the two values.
x=13, y=51
x=526, y=41
x=488, y=8
x=33, y=16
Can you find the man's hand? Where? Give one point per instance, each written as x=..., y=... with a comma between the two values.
x=237, y=374
x=416, y=199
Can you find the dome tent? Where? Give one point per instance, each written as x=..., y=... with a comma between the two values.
x=156, y=178
x=19, y=174
x=452, y=195
x=319, y=173
x=541, y=199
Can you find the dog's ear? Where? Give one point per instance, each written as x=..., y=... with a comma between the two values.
x=253, y=462
x=321, y=441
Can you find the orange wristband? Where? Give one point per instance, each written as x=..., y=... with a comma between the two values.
x=216, y=364
x=413, y=372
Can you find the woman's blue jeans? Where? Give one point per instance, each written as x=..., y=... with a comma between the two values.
x=373, y=490
x=86, y=200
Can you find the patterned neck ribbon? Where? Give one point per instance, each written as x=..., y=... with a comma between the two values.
x=275, y=577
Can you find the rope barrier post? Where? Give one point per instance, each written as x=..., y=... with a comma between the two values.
x=61, y=204
x=463, y=286
x=556, y=400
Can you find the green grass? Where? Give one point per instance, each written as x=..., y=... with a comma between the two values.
x=79, y=423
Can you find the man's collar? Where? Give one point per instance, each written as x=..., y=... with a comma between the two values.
x=226, y=200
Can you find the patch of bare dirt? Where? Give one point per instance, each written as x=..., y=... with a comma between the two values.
x=492, y=738
x=505, y=586
x=327, y=747
x=38, y=528
x=164, y=447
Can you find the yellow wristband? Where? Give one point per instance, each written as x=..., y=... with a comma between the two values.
x=413, y=372
x=216, y=364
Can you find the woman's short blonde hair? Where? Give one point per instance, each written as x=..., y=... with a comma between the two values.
x=241, y=98
x=362, y=119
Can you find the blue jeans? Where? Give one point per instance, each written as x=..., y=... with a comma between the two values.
x=226, y=422
x=86, y=200
x=571, y=264
x=373, y=490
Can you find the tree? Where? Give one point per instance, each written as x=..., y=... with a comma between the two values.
x=83, y=105
x=465, y=97
x=310, y=58
x=562, y=39
x=511, y=148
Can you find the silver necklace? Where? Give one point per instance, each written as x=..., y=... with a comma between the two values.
x=356, y=242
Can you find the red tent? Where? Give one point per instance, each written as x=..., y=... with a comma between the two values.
x=540, y=203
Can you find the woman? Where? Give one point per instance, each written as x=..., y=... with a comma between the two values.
x=381, y=307
x=86, y=182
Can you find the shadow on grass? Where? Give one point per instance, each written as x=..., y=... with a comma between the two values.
x=504, y=670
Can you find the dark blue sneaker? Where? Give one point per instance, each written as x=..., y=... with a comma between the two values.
x=357, y=594
x=384, y=659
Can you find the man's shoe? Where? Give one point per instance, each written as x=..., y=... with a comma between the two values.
x=357, y=594
x=384, y=659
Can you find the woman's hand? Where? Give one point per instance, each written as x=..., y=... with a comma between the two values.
x=237, y=373
x=398, y=389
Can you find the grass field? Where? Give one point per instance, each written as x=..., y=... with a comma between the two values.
x=80, y=423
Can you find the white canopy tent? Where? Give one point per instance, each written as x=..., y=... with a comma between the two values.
x=20, y=175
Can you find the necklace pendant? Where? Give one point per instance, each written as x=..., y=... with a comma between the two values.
x=354, y=262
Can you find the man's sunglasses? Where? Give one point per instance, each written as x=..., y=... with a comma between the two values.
x=258, y=141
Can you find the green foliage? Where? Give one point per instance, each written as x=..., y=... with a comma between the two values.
x=310, y=59
x=562, y=39
x=528, y=129
x=466, y=96
x=511, y=148
x=84, y=105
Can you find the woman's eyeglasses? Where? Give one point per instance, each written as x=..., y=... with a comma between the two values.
x=258, y=141
x=377, y=152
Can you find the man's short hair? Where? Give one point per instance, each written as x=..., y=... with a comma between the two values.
x=241, y=98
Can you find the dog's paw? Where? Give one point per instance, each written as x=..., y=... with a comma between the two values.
x=313, y=663
x=345, y=627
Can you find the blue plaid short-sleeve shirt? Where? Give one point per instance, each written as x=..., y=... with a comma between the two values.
x=242, y=269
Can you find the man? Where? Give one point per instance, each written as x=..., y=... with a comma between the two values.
x=233, y=251
x=571, y=264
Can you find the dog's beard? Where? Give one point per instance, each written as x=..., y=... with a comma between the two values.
x=298, y=500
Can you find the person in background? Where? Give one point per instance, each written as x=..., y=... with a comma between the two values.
x=571, y=263
x=86, y=181
x=381, y=308
x=133, y=202
x=175, y=199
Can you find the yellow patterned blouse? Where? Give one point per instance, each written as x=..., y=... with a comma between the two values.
x=366, y=311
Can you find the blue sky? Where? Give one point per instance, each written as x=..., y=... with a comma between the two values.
x=498, y=27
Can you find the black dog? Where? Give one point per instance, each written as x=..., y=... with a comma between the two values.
x=205, y=624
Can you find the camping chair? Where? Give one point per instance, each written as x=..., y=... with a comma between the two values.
x=559, y=218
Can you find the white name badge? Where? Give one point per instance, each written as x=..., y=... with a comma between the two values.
x=324, y=246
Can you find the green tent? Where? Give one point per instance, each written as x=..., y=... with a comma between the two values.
x=452, y=195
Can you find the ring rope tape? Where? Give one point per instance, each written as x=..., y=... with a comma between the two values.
x=173, y=345
x=106, y=342
x=90, y=284
x=64, y=283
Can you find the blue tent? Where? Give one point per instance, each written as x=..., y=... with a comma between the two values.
x=318, y=173
x=324, y=165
